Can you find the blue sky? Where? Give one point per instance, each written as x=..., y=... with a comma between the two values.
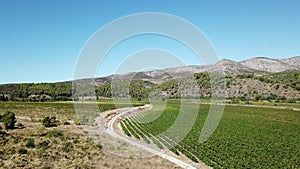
x=40, y=40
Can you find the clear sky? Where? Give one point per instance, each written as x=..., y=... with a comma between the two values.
x=40, y=40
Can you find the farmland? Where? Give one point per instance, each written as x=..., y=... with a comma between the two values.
x=247, y=137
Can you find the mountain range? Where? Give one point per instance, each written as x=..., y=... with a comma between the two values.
x=256, y=78
x=257, y=66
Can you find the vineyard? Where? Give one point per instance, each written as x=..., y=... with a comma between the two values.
x=247, y=137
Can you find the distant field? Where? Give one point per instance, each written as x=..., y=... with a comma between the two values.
x=62, y=110
x=247, y=137
x=38, y=109
x=290, y=105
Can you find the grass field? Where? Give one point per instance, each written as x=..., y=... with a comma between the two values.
x=247, y=137
x=62, y=110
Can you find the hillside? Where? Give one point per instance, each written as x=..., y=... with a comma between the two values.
x=256, y=66
x=256, y=78
x=272, y=65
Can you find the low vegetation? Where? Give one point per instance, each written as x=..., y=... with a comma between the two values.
x=8, y=120
x=49, y=121
x=245, y=138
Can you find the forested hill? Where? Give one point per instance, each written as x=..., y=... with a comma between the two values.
x=37, y=91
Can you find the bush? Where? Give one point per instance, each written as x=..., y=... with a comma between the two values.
x=46, y=167
x=3, y=134
x=54, y=133
x=46, y=122
x=76, y=141
x=235, y=100
x=30, y=143
x=258, y=97
x=291, y=101
x=10, y=151
x=22, y=151
x=17, y=139
x=76, y=122
x=44, y=143
x=67, y=147
x=49, y=122
x=9, y=120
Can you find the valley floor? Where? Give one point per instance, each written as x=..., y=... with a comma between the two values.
x=250, y=127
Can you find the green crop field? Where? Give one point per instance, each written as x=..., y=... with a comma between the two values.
x=247, y=137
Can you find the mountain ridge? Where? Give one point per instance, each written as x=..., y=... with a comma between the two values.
x=256, y=66
x=226, y=66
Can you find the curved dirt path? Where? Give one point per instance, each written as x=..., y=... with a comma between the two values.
x=111, y=131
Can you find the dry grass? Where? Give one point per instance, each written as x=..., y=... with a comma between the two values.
x=50, y=149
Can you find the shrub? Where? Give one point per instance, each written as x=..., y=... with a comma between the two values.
x=9, y=120
x=30, y=143
x=10, y=151
x=76, y=141
x=49, y=122
x=22, y=151
x=3, y=134
x=67, y=147
x=17, y=140
x=46, y=122
x=44, y=143
x=54, y=133
x=291, y=101
x=46, y=167
x=258, y=97
x=76, y=122
x=235, y=100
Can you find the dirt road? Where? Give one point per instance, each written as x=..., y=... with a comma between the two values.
x=111, y=131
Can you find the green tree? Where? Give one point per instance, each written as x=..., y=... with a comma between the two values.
x=9, y=120
x=258, y=97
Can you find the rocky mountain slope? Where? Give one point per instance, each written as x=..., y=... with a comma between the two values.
x=256, y=66
x=272, y=65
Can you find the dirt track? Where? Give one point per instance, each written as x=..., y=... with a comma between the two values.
x=113, y=118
